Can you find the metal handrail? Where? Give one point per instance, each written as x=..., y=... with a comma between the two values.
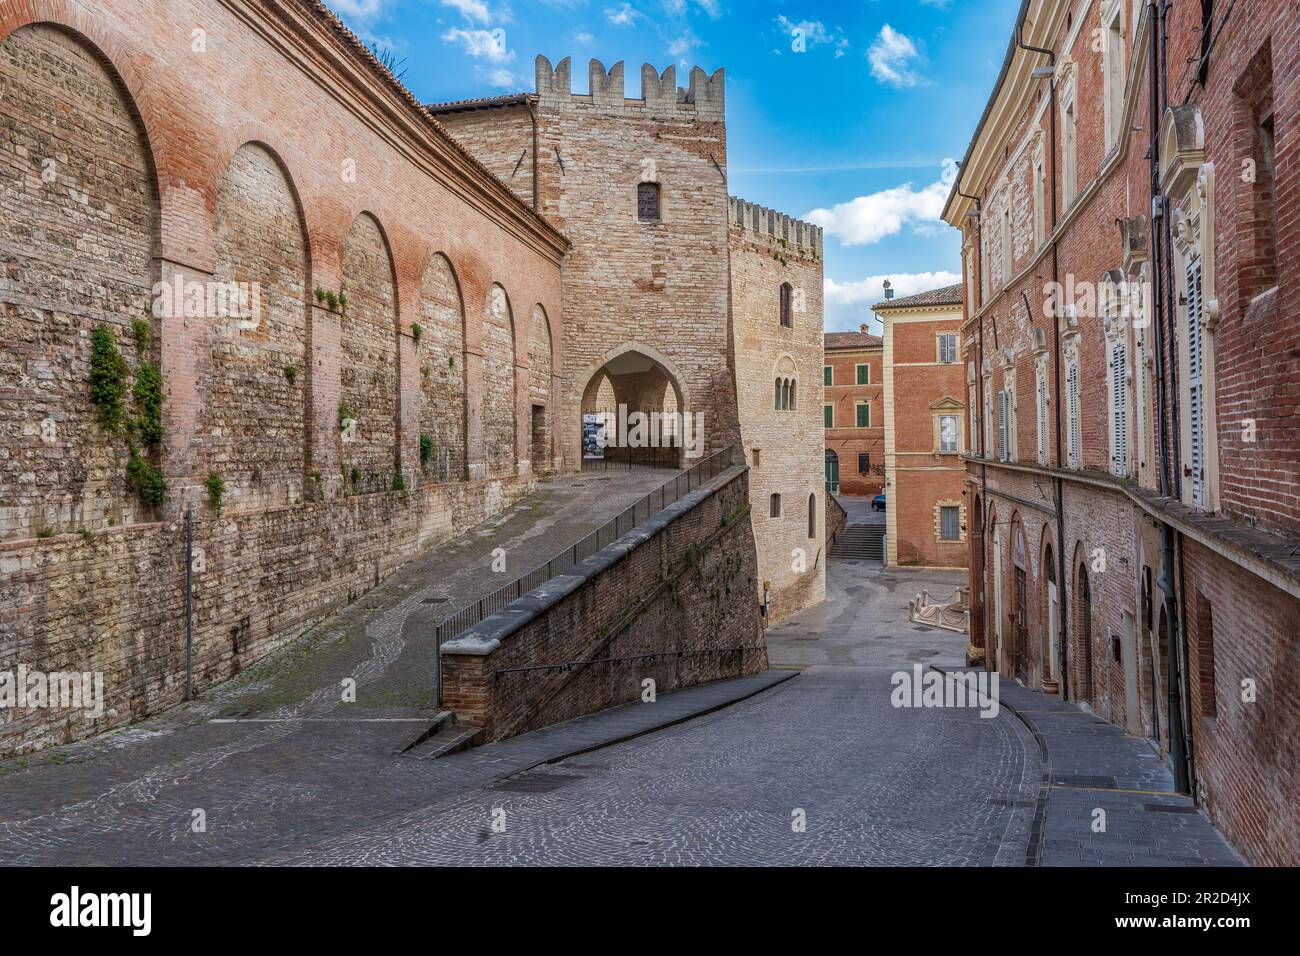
x=642, y=510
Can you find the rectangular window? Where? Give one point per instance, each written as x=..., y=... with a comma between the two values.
x=647, y=202
x=864, y=415
x=1041, y=390
x=864, y=374
x=948, y=348
x=864, y=463
x=948, y=442
x=827, y=375
x=1068, y=176
x=950, y=523
x=972, y=411
x=1196, y=381
x=828, y=416
x=1119, y=409
x=1072, y=413
x=1002, y=425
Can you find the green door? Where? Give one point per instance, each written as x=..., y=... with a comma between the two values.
x=832, y=472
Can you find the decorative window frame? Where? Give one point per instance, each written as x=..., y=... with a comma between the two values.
x=857, y=366
x=961, y=520
x=1069, y=119
x=946, y=407
x=1042, y=393
x=938, y=347
x=1009, y=387
x=1188, y=180
x=1115, y=323
x=973, y=417
x=1111, y=71
x=1073, y=409
x=1038, y=172
x=987, y=444
x=862, y=403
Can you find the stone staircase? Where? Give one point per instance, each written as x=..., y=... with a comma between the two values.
x=860, y=542
x=443, y=737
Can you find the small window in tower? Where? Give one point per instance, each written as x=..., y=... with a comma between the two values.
x=647, y=202
x=786, y=293
x=776, y=506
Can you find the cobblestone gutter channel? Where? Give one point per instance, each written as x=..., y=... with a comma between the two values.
x=673, y=602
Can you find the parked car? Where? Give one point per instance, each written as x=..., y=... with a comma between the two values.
x=878, y=503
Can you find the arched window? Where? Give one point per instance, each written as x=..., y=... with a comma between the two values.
x=786, y=294
x=793, y=386
x=647, y=202
x=776, y=506
x=812, y=516
x=776, y=403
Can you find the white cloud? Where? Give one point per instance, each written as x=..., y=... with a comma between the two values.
x=504, y=79
x=623, y=16
x=583, y=38
x=487, y=44
x=683, y=44
x=848, y=304
x=814, y=31
x=471, y=9
x=868, y=219
x=893, y=57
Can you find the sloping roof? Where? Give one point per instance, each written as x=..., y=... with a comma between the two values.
x=852, y=340
x=945, y=295
x=480, y=103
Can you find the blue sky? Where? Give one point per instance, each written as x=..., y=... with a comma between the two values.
x=848, y=114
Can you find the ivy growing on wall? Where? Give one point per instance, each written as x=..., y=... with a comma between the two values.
x=108, y=373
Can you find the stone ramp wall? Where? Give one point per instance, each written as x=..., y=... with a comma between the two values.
x=114, y=602
x=673, y=602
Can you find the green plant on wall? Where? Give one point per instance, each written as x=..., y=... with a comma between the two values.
x=140, y=329
x=416, y=332
x=426, y=450
x=291, y=374
x=107, y=379
x=148, y=395
x=216, y=490
x=399, y=483
x=145, y=479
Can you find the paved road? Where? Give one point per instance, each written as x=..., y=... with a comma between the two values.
x=820, y=769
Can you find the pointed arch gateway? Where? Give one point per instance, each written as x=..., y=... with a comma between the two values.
x=630, y=379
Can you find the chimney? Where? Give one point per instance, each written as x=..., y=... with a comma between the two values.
x=864, y=329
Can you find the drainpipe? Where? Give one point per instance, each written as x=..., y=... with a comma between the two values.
x=1058, y=486
x=1162, y=289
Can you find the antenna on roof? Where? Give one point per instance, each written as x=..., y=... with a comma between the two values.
x=889, y=289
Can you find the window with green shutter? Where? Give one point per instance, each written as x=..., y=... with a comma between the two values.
x=828, y=415
x=864, y=415
x=827, y=375
x=864, y=375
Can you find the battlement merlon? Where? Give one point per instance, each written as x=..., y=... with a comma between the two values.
x=705, y=98
x=753, y=218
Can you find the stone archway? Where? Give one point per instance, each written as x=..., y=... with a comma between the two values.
x=634, y=381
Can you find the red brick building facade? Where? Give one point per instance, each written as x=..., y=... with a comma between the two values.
x=1131, y=371
x=853, y=412
x=925, y=429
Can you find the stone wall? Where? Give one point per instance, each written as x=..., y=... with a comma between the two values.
x=121, y=183
x=782, y=431
x=673, y=601
x=659, y=287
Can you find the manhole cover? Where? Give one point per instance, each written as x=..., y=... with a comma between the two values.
x=434, y=600
x=535, y=783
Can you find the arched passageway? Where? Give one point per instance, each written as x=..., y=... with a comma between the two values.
x=634, y=411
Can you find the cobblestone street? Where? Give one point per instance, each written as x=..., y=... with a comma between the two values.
x=810, y=766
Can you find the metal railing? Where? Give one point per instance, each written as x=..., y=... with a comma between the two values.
x=626, y=459
x=648, y=506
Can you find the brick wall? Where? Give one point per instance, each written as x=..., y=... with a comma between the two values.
x=674, y=601
x=1237, y=578
x=845, y=438
x=116, y=178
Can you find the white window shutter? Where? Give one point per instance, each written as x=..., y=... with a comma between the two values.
x=1002, y=425
x=1196, y=381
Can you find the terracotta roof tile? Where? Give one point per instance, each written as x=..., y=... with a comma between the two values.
x=852, y=340
x=945, y=295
